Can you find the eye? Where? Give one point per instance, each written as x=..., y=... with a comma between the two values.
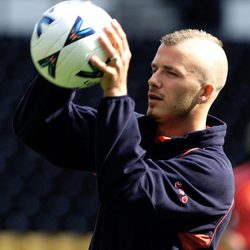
x=153, y=70
x=172, y=73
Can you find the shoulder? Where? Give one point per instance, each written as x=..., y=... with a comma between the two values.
x=211, y=168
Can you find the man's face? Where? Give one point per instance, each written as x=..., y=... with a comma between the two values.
x=173, y=86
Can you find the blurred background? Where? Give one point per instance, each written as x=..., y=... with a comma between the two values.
x=48, y=208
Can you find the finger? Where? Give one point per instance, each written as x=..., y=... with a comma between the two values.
x=116, y=25
x=117, y=37
x=101, y=65
x=121, y=33
x=107, y=46
x=113, y=36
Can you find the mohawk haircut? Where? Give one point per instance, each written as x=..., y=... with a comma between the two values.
x=180, y=36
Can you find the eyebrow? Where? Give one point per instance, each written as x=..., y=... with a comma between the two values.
x=170, y=68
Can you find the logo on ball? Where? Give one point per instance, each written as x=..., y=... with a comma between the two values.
x=74, y=35
x=77, y=34
x=45, y=20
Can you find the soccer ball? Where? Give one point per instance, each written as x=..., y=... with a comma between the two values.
x=64, y=39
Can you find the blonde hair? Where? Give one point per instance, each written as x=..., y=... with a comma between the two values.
x=182, y=35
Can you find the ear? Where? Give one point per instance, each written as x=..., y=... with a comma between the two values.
x=206, y=93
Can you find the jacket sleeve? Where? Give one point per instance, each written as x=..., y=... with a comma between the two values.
x=49, y=122
x=181, y=192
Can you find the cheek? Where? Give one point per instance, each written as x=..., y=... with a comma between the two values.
x=186, y=100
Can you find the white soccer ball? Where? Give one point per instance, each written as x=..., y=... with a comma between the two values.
x=65, y=38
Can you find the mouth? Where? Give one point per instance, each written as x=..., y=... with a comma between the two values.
x=154, y=97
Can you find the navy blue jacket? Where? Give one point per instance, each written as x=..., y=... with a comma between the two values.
x=169, y=195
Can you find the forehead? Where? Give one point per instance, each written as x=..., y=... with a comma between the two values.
x=198, y=51
x=173, y=55
x=185, y=51
x=168, y=51
x=183, y=57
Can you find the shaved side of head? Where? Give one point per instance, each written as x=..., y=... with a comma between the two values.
x=208, y=58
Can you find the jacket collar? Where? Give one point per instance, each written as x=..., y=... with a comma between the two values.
x=213, y=135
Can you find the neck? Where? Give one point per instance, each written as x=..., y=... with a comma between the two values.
x=181, y=126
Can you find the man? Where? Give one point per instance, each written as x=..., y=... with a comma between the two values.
x=163, y=179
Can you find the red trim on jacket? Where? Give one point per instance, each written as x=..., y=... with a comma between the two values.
x=197, y=241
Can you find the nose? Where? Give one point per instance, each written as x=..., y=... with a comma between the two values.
x=153, y=81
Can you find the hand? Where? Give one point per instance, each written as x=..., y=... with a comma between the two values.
x=115, y=44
